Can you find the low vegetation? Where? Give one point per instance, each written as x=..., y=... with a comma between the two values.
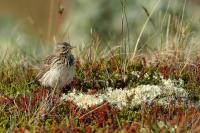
x=35, y=108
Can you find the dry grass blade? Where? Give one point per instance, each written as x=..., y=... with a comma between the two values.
x=142, y=30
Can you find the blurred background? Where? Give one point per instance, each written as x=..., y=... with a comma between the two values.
x=33, y=26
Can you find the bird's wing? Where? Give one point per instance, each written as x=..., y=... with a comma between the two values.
x=48, y=60
x=45, y=66
x=41, y=73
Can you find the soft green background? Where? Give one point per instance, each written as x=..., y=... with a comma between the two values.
x=102, y=19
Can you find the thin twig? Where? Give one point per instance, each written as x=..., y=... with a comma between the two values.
x=93, y=110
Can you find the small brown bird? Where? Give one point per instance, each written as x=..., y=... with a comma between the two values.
x=58, y=69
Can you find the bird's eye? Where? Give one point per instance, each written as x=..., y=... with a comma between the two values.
x=63, y=47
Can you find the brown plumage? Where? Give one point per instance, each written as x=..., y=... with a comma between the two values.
x=57, y=69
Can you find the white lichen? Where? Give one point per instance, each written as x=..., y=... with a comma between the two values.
x=83, y=100
x=120, y=98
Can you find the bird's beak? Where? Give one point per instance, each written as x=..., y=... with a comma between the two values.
x=72, y=47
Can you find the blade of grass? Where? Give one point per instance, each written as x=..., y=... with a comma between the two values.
x=142, y=31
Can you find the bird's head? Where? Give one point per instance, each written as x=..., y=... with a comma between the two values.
x=63, y=48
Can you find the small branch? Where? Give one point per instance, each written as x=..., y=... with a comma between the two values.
x=93, y=110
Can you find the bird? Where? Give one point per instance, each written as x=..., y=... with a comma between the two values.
x=58, y=69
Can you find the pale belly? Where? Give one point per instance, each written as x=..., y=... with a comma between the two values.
x=58, y=77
